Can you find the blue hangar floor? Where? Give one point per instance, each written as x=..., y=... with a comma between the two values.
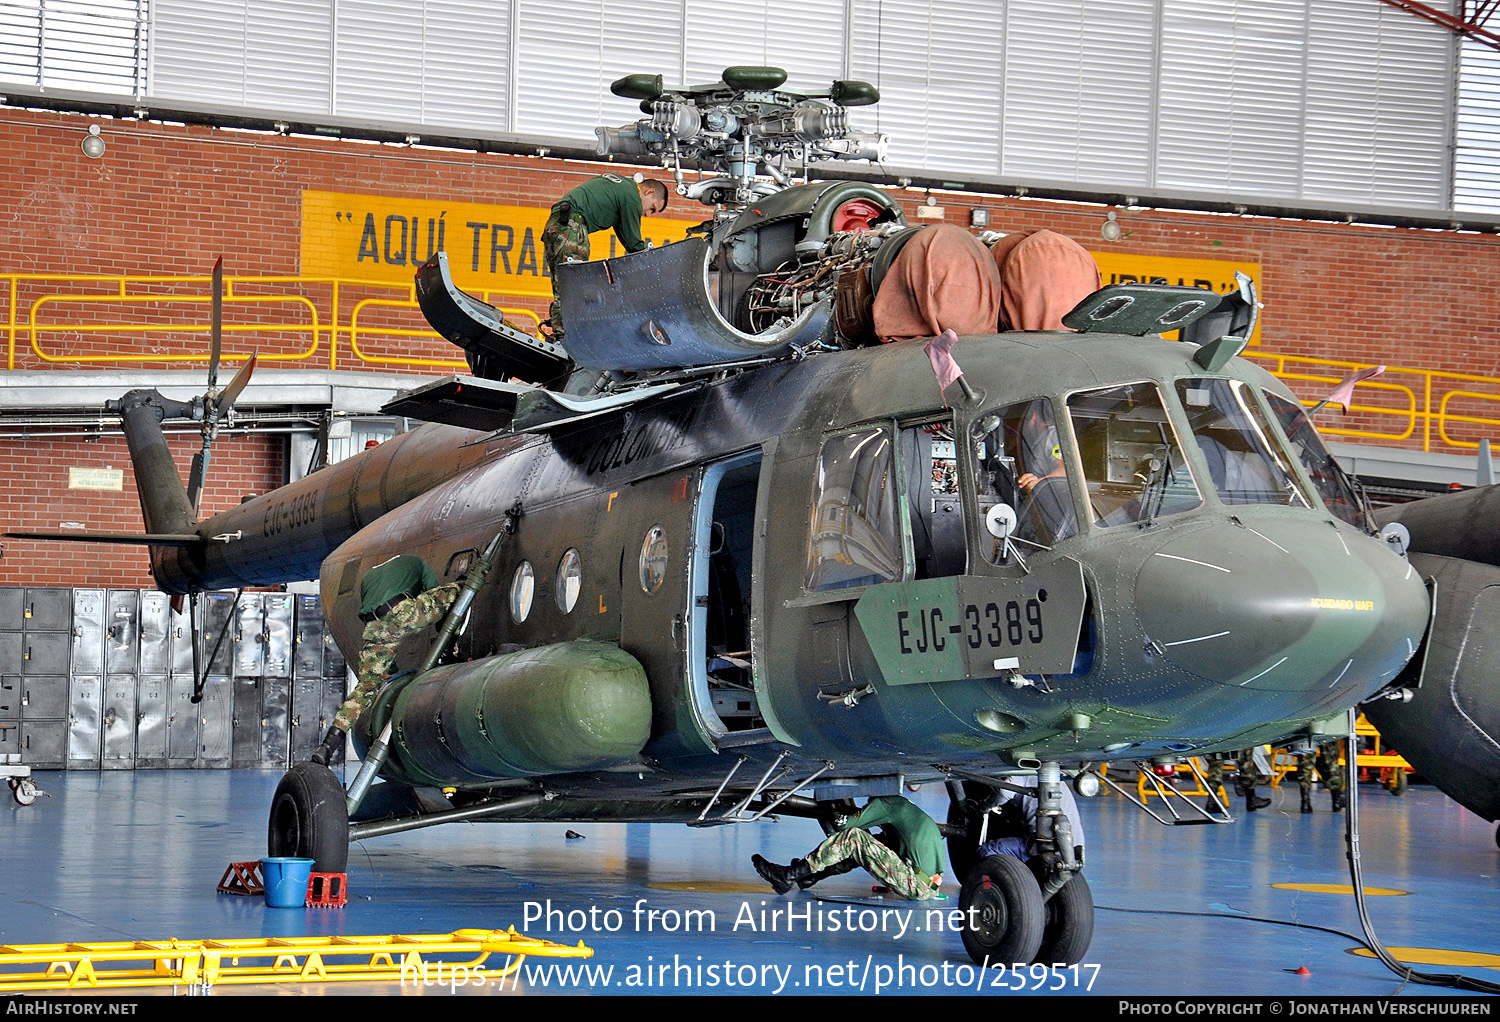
x=1230, y=910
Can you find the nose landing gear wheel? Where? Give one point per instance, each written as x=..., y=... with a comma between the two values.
x=1069, y=925
x=1003, y=912
x=308, y=818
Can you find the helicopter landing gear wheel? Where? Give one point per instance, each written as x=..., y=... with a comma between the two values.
x=308, y=818
x=1003, y=912
x=24, y=790
x=1068, y=928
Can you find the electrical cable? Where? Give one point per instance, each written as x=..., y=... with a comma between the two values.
x=1351, y=841
x=1369, y=940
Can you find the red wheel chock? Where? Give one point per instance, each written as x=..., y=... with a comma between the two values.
x=327, y=890
x=242, y=878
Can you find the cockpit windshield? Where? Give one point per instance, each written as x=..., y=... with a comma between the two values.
x=1018, y=461
x=1338, y=493
x=1132, y=460
x=1245, y=463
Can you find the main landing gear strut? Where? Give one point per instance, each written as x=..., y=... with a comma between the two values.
x=1037, y=909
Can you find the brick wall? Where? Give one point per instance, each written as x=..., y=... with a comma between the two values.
x=169, y=199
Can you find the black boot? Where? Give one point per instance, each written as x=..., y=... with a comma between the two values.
x=1254, y=801
x=332, y=742
x=1339, y=800
x=1306, y=801
x=781, y=878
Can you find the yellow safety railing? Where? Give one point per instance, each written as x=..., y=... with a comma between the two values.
x=1426, y=405
x=321, y=320
x=402, y=958
x=134, y=311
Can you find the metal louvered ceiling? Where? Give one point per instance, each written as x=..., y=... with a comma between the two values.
x=1296, y=101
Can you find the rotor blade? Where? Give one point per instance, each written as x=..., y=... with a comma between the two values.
x=215, y=326
x=226, y=400
x=195, y=478
x=174, y=539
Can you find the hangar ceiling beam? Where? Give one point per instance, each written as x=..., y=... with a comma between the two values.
x=1469, y=22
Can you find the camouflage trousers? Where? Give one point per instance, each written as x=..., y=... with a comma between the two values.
x=377, y=652
x=1244, y=767
x=1326, y=763
x=878, y=860
x=562, y=244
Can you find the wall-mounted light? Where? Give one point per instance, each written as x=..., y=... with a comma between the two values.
x=1110, y=229
x=93, y=143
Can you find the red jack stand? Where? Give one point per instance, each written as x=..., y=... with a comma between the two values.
x=327, y=890
x=242, y=878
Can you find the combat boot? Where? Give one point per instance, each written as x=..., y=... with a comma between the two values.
x=1339, y=800
x=332, y=742
x=1254, y=802
x=1306, y=801
x=781, y=878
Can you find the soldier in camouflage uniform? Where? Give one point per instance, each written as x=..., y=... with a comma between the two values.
x=1326, y=762
x=1244, y=777
x=607, y=202
x=398, y=599
x=907, y=857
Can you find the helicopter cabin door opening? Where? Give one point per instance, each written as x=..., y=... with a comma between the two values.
x=719, y=659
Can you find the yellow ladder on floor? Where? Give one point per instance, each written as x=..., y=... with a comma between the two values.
x=206, y=963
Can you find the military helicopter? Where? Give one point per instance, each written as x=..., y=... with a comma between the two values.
x=735, y=562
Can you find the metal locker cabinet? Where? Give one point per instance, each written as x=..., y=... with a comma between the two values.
x=48, y=652
x=47, y=610
x=44, y=697
x=10, y=697
x=216, y=717
x=13, y=647
x=307, y=651
x=85, y=716
x=11, y=619
x=44, y=744
x=88, y=633
x=152, y=695
x=278, y=634
x=183, y=727
x=10, y=741
x=182, y=634
x=117, y=727
x=156, y=632
x=249, y=636
x=122, y=632
x=246, y=725
x=276, y=738
x=307, y=724
x=216, y=620
x=333, y=660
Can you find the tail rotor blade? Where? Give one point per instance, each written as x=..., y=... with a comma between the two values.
x=195, y=479
x=226, y=400
x=216, y=322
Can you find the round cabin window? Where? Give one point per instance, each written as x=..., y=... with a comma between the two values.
x=569, y=581
x=522, y=589
x=654, y=559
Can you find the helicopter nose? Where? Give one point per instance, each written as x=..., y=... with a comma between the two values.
x=1282, y=605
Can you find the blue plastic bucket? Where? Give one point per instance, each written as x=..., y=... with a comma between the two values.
x=286, y=881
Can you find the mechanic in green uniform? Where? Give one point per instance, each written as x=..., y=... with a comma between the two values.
x=398, y=599
x=606, y=202
x=907, y=857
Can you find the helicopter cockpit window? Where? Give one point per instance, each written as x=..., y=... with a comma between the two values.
x=1018, y=461
x=856, y=538
x=934, y=505
x=1132, y=460
x=1245, y=464
x=1337, y=491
